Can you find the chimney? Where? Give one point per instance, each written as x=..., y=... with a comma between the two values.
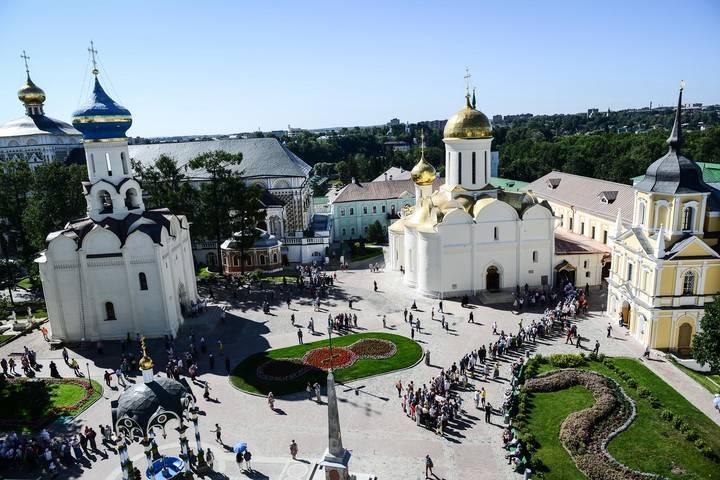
x=386, y=176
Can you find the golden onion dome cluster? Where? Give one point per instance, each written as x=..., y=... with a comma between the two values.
x=468, y=123
x=31, y=94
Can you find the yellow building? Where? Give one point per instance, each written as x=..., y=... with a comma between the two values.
x=666, y=266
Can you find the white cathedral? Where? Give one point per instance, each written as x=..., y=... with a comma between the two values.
x=467, y=235
x=121, y=269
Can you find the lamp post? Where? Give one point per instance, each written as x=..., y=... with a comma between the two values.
x=330, y=345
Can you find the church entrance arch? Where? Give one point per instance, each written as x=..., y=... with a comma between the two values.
x=182, y=298
x=492, y=278
x=684, y=339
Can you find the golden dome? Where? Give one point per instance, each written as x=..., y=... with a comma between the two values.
x=31, y=94
x=468, y=123
x=145, y=362
x=423, y=173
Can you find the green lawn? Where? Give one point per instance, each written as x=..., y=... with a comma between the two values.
x=5, y=338
x=368, y=253
x=244, y=375
x=548, y=412
x=25, y=283
x=650, y=444
x=707, y=380
x=205, y=274
x=30, y=401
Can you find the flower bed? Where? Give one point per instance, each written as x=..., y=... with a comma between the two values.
x=320, y=358
x=373, y=348
x=585, y=434
x=283, y=369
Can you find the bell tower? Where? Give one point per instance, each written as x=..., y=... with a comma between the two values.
x=112, y=190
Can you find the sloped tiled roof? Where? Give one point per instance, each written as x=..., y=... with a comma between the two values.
x=262, y=157
x=393, y=173
x=354, y=192
x=586, y=194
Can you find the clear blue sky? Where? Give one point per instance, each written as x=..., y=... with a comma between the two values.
x=185, y=67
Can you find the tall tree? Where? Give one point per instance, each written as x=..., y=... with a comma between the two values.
x=245, y=215
x=166, y=185
x=215, y=199
x=706, y=342
x=56, y=198
x=15, y=181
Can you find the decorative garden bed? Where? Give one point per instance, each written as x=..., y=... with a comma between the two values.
x=32, y=403
x=287, y=370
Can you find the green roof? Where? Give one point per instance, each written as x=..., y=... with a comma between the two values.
x=508, y=184
x=711, y=173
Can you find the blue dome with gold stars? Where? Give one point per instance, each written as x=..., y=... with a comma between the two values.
x=102, y=118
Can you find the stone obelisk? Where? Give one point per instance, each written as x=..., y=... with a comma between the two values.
x=336, y=458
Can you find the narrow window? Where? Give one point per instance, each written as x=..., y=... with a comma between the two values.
x=604, y=236
x=275, y=258
x=248, y=260
x=688, y=218
x=473, y=168
x=92, y=162
x=585, y=264
x=342, y=212
x=124, y=163
x=236, y=261
x=392, y=209
x=107, y=164
x=571, y=224
x=374, y=209
x=143, y=281
x=486, y=167
x=109, y=311
x=352, y=231
x=592, y=235
x=382, y=208
x=496, y=234
x=535, y=256
x=688, y=284
x=582, y=228
x=364, y=210
x=629, y=271
x=459, y=167
x=262, y=259
x=352, y=211
x=344, y=232
x=224, y=259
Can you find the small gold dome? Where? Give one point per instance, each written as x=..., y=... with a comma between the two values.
x=423, y=173
x=31, y=94
x=145, y=362
x=468, y=123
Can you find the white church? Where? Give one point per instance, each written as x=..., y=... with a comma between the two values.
x=121, y=269
x=467, y=235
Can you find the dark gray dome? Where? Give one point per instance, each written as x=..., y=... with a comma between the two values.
x=150, y=404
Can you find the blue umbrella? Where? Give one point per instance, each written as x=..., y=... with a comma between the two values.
x=240, y=447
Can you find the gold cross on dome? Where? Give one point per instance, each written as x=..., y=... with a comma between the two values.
x=422, y=142
x=682, y=84
x=93, y=52
x=26, y=58
x=467, y=80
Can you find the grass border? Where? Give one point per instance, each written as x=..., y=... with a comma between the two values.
x=700, y=377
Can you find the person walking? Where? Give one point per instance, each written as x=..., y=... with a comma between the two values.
x=65, y=356
x=271, y=401
x=483, y=396
x=218, y=433
x=398, y=386
x=375, y=285
x=247, y=456
x=209, y=458
x=108, y=378
x=609, y=330
x=471, y=318
x=428, y=466
x=206, y=391
x=384, y=322
x=293, y=449
x=488, y=413
x=597, y=347
x=120, y=378
x=300, y=336
x=476, y=397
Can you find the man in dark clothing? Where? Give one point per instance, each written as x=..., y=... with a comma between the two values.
x=488, y=412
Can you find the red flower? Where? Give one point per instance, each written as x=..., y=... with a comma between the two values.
x=320, y=357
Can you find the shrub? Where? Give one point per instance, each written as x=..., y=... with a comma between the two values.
x=700, y=444
x=593, y=356
x=678, y=422
x=567, y=360
x=667, y=415
x=632, y=383
x=601, y=358
x=691, y=435
x=655, y=403
x=643, y=392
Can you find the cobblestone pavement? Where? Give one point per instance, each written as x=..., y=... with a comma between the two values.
x=382, y=439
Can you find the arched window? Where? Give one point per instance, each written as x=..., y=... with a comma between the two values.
x=459, y=167
x=109, y=311
x=106, y=205
x=236, y=261
x=262, y=259
x=248, y=260
x=210, y=258
x=688, y=287
x=688, y=214
x=131, y=199
x=641, y=213
x=143, y=281
x=275, y=258
x=92, y=163
x=123, y=160
x=107, y=164
x=535, y=256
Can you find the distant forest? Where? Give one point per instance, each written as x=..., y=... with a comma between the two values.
x=614, y=146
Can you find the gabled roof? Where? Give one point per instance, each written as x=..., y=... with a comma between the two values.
x=36, y=125
x=262, y=157
x=393, y=173
x=586, y=194
x=702, y=249
x=384, y=190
